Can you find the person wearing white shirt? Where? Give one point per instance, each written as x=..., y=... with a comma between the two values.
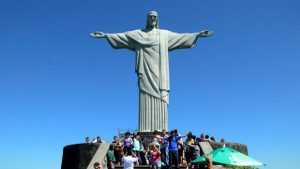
x=129, y=160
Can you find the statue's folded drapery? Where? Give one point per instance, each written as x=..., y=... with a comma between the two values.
x=152, y=68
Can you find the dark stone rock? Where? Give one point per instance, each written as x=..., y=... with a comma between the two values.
x=78, y=156
x=236, y=146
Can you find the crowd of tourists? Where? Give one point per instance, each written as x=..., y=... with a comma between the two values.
x=164, y=150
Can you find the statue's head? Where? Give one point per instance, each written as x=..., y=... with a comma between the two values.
x=152, y=20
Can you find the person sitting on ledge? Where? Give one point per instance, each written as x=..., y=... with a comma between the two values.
x=202, y=138
x=212, y=139
x=95, y=140
x=206, y=138
x=87, y=140
x=99, y=139
x=222, y=140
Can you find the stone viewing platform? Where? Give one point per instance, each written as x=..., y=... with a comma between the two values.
x=83, y=156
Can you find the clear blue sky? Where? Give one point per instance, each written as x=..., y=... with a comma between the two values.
x=58, y=85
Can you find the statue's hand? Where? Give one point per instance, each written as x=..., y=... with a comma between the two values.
x=98, y=35
x=205, y=33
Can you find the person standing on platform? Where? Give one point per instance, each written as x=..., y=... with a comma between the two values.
x=155, y=156
x=173, y=140
x=128, y=143
x=144, y=152
x=118, y=146
x=111, y=160
x=189, y=148
x=129, y=160
x=173, y=149
x=136, y=146
x=165, y=148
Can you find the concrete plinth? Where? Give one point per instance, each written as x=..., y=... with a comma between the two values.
x=147, y=136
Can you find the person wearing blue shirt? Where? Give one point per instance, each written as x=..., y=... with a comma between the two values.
x=173, y=140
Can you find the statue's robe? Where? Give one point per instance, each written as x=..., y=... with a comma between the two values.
x=152, y=68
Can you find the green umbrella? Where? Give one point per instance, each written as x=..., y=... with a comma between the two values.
x=229, y=156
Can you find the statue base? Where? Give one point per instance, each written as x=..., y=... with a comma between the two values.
x=148, y=136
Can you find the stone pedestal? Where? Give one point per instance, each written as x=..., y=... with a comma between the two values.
x=147, y=136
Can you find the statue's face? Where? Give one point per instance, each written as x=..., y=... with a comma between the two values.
x=152, y=19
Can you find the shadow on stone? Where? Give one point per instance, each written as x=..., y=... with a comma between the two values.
x=83, y=156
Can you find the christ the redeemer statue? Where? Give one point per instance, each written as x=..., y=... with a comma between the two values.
x=152, y=46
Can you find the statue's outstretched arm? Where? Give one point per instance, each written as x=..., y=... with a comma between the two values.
x=205, y=33
x=98, y=35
